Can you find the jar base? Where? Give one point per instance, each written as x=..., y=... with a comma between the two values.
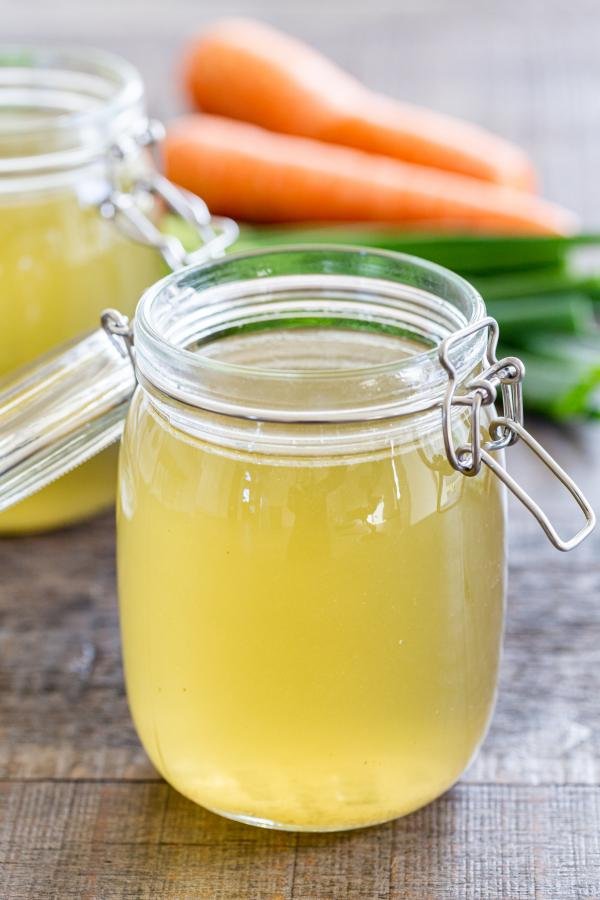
x=271, y=825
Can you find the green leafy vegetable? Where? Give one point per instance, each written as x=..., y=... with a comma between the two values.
x=563, y=313
x=562, y=374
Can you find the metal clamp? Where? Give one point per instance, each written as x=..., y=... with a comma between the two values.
x=507, y=373
x=503, y=430
x=120, y=333
x=125, y=208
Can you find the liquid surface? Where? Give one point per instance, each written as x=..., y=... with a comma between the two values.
x=308, y=643
x=60, y=266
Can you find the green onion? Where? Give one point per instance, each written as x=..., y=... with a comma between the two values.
x=463, y=253
x=549, y=280
x=562, y=374
x=566, y=313
x=468, y=254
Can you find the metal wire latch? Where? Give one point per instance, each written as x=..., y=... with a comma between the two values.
x=120, y=333
x=126, y=208
x=504, y=430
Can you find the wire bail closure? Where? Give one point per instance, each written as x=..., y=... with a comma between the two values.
x=504, y=430
x=120, y=333
x=125, y=207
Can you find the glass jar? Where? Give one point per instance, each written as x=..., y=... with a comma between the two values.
x=311, y=587
x=73, y=138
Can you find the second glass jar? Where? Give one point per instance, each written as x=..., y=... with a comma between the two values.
x=61, y=262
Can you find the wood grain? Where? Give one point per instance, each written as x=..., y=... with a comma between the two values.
x=115, y=840
x=82, y=813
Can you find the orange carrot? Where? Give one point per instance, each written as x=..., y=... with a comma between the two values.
x=249, y=71
x=252, y=174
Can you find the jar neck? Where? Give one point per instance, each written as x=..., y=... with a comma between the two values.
x=303, y=342
x=62, y=110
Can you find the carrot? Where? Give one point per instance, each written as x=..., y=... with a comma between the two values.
x=256, y=175
x=249, y=71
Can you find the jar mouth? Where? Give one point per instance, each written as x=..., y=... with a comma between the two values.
x=306, y=334
x=61, y=108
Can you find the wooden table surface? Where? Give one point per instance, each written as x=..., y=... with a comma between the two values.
x=83, y=814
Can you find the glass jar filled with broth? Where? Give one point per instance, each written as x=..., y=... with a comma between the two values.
x=73, y=163
x=311, y=554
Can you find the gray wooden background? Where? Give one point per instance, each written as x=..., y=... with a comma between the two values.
x=82, y=813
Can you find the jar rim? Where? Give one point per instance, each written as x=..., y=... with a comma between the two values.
x=187, y=304
x=62, y=107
